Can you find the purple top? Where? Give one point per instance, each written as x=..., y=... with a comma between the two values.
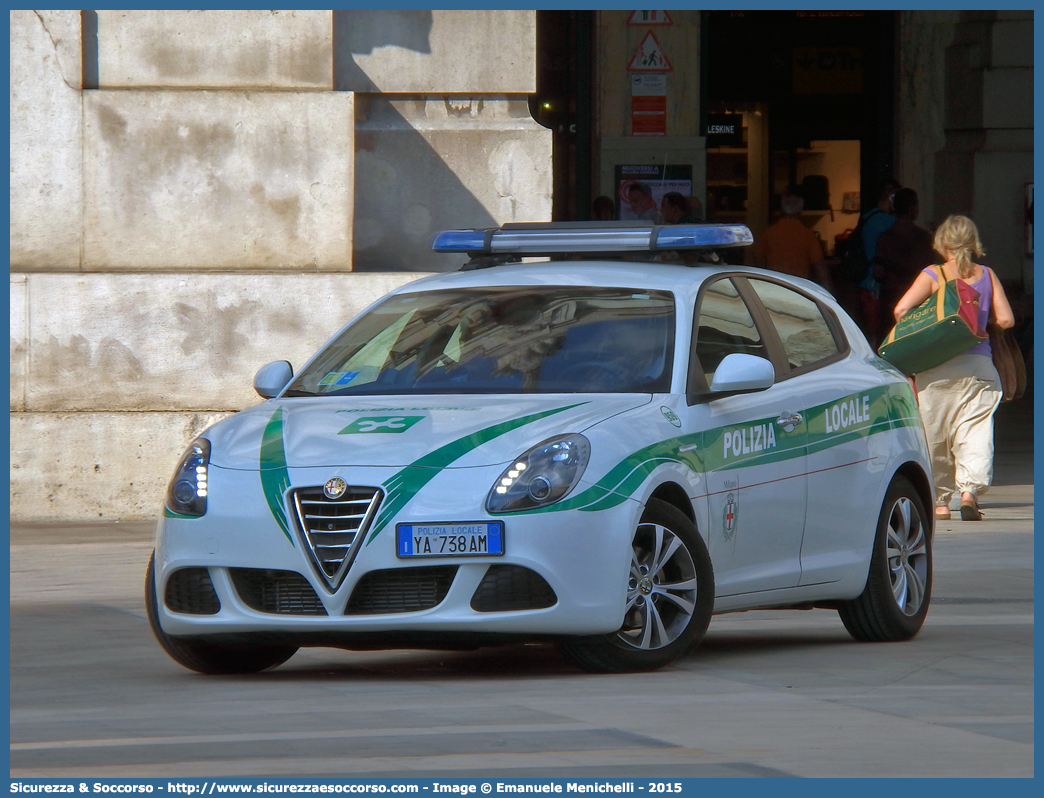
x=984, y=285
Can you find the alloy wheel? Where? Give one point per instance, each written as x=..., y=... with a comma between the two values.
x=907, y=553
x=661, y=589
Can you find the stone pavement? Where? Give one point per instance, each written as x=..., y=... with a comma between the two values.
x=767, y=693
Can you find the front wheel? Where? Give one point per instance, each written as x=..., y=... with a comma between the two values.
x=210, y=658
x=894, y=603
x=670, y=596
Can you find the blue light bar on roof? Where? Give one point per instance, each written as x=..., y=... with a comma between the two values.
x=460, y=241
x=706, y=235
x=575, y=237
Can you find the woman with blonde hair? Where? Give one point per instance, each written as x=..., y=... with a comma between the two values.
x=959, y=397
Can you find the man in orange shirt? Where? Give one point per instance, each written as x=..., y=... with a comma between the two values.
x=788, y=246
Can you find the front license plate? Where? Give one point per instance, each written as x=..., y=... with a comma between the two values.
x=457, y=539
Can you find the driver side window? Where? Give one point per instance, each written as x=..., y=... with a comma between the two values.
x=724, y=326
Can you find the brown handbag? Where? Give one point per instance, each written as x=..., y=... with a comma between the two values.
x=1007, y=358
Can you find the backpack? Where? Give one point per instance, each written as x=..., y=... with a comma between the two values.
x=854, y=265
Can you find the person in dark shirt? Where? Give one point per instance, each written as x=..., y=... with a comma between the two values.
x=874, y=222
x=902, y=251
x=674, y=208
x=603, y=209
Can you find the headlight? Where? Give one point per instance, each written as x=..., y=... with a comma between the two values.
x=541, y=476
x=187, y=492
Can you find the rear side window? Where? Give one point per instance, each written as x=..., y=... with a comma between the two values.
x=804, y=332
x=724, y=326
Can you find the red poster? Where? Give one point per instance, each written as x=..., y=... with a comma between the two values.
x=648, y=116
x=649, y=105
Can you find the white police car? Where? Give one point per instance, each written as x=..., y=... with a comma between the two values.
x=599, y=452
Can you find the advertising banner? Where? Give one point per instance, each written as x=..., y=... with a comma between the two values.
x=659, y=178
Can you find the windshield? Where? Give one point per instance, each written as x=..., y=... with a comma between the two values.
x=501, y=340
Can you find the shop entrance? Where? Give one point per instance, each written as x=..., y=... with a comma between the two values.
x=796, y=101
x=746, y=176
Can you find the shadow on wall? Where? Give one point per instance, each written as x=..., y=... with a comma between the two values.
x=405, y=191
x=362, y=32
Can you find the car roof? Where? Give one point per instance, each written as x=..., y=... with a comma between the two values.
x=680, y=279
x=573, y=272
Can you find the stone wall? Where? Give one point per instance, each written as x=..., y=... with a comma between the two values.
x=435, y=52
x=46, y=140
x=921, y=81
x=258, y=50
x=186, y=189
x=431, y=164
x=113, y=374
x=987, y=159
x=217, y=180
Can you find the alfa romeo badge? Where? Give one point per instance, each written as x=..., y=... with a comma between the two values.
x=334, y=488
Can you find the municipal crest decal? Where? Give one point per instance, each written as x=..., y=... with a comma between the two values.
x=729, y=516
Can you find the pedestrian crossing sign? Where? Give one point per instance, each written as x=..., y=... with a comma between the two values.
x=649, y=57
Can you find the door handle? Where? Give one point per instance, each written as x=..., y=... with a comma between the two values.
x=788, y=422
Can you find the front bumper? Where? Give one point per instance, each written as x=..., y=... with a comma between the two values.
x=583, y=557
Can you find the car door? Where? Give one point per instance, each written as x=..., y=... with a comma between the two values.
x=753, y=449
x=846, y=412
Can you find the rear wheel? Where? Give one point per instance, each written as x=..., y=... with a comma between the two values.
x=210, y=658
x=898, y=589
x=670, y=596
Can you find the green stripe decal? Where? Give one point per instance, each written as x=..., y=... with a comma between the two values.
x=402, y=487
x=275, y=478
x=625, y=478
x=168, y=513
x=755, y=442
x=824, y=426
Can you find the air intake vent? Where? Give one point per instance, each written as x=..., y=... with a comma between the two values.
x=507, y=588
x=401, y=590
x=333, y=527
x=281, y=592
x=190, y=590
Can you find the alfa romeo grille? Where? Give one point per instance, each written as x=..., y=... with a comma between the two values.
x=401, y=590
x=333, y=527
x=283, y=592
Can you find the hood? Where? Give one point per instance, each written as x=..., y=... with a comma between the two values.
x=442, y=430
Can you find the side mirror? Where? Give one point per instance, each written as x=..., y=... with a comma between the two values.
x=271, y=379
x=738, y=372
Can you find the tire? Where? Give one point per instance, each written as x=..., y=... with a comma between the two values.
x=894, y=603
x=210, y=658
x=668, y=605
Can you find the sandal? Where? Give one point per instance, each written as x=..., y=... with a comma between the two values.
x=942, y=513
x=970, y=511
